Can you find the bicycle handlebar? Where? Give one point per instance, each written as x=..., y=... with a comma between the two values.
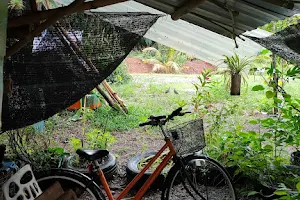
x=163, y=119
x=175, y=113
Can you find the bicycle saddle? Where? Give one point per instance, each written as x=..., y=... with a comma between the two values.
x=92, y=155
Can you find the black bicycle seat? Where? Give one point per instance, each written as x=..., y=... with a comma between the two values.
x=92, y=155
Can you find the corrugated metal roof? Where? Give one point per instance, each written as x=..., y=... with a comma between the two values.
x=251, y=13
x=189, y=38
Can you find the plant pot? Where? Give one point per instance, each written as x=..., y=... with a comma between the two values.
x=108, y=165
x=235, y=84
x=132, y=170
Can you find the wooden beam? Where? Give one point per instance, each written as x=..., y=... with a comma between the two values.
x=282, y=3
x=20, y=44
x=187, y=7
x=34, y=17
x=33, y=5
x=56, y=14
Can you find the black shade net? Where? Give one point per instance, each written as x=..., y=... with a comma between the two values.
x=285, y=43
x=66, y=62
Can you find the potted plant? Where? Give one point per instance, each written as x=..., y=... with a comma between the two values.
x=96, y=139
x=236, y=71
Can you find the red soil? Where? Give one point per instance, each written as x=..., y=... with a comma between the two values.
x=136, y=66
x=196, y=67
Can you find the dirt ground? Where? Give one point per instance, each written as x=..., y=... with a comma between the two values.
x=136, y=66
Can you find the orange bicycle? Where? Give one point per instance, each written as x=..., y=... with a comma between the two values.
x=192, y=176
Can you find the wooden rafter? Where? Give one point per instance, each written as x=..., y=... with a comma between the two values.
x=282, y=3
x=39, y=16
x=187, y=7
x=50, y=18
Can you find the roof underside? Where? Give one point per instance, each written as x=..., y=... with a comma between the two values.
x=214, y=15
x=189, y=38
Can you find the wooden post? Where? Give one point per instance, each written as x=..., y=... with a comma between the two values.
x=3, y=24
x=34, y=17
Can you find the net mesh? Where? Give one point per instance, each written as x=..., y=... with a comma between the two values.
x=188, y=137
x=285, y=43
x=50, y=74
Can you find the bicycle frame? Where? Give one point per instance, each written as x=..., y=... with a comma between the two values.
x=150, y=180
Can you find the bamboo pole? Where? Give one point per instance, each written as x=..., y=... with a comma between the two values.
x=115, y=96
x=106, y=97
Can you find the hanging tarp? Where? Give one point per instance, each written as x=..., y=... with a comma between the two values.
x=285, y=43
x=48, y=76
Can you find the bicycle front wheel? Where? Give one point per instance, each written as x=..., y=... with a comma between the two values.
x=198, y=177
x=83, y=186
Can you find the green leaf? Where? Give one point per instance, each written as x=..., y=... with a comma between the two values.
x=265, y=51
x=252, y=193
x=298, y=187
x=258, y=88
x=270, y=94
x=276, y=100
x=253, y=122
x=287, y=96
x=268, y=147
x=280, y=192
x=267, y=135
x=56, y=150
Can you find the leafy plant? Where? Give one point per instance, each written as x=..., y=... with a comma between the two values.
x=16, y=4
x=288, y=194
x=202, y=99
x=235, y=72
x=120, y=75
x=96, y=139
x=39, y=150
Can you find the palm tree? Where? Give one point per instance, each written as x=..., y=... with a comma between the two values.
x=236, y=70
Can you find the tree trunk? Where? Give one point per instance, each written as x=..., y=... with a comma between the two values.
x=235, y=84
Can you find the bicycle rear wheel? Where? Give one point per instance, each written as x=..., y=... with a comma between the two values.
x=83, y=186
x=198, y=177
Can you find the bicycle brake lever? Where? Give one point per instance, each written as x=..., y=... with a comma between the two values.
x=183, y=113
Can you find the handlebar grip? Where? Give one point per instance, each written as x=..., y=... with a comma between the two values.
x=175, y=113
x=145, y=123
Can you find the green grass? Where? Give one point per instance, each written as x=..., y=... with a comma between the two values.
x=145, y=95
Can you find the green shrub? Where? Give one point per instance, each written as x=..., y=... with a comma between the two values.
x=120, y=75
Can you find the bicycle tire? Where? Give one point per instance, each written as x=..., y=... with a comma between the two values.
x=180, y=185
x=70, y=179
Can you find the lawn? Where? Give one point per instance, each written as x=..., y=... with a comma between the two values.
x=146, y=95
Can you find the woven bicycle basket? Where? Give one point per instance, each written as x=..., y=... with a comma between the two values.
x=188, y=137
